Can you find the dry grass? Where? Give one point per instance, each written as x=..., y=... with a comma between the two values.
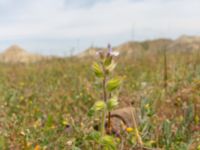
x=38, y=99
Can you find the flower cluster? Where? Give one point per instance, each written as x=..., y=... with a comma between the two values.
x=109, y=53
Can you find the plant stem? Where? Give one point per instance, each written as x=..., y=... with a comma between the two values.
x=103, y=122
x=104, y=89
x=165, y=70
x=105, y=100
x=139, y=138
x=109, y=119
x=109, y=122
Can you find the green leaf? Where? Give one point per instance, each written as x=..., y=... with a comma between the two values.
x=111, y=67
x=198, y=147
x=108, y=61
x=97, y=70
x=167, y=128
x=75, y=148
x=189, y=114
x=99, y=105
x=95, y=136
x=112, y=103
x=91, y=112
x=113, y=84
x=49, y=121
x=108, y=142
x=2, y=142
x=167, y=133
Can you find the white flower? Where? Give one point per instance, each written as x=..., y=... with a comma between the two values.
x=114, y=53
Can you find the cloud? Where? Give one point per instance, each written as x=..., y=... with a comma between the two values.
x=95, y=20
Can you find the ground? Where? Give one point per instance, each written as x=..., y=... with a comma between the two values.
x=38, y=100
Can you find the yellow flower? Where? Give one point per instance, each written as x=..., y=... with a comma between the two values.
x=147, y=106
x=65, y=122
x=21, y=84
x=181, y=118
x=53, y=126
x=37, y=147
x=21, y=98
x=118, y=140
x=129, y=129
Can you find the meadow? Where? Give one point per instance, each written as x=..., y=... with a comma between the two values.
x=41, y=101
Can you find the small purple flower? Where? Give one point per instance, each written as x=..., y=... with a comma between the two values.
x=109, y=48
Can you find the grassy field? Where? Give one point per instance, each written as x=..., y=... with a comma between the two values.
x=39, y=100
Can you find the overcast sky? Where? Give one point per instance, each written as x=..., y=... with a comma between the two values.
x=59, y=26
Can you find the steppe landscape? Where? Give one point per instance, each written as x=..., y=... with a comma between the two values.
x=54, y=102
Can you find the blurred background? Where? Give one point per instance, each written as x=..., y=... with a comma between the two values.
x=63, y=27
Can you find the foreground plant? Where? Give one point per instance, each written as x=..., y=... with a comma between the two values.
x=103, y=69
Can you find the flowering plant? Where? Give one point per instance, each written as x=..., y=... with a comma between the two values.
x=103, y=69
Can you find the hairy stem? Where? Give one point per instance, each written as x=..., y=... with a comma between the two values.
x=103, y=122
x=109, y=119
x=105, y=100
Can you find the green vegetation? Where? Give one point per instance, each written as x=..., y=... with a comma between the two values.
x=45, y=105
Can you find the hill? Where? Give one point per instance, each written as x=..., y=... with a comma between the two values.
x=183, y=43
x=16, y=54
x=186, y=43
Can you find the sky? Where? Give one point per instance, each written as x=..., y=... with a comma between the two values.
x=63, y=27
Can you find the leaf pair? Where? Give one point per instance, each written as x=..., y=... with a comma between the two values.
x=114, y=84
x=101, y=105
x=108, y=142
x=97, y=70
